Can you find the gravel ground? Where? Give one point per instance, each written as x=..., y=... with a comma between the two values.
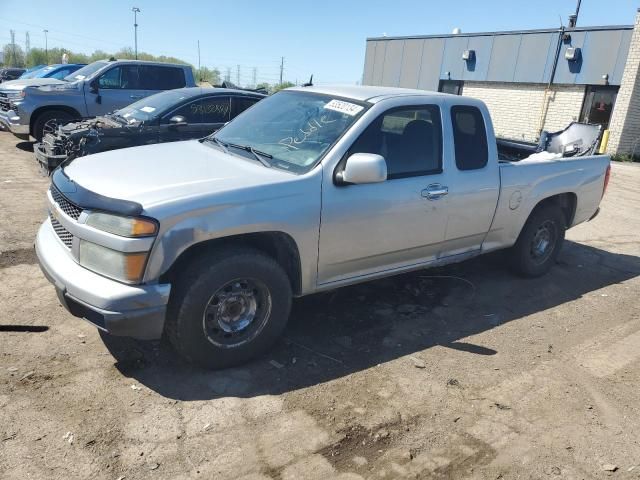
x=459, y=372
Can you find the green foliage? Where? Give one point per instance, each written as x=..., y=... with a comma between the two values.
x=13, y=55
x=38, y=56
x=625, y=157
x=211, y=76
x=280, y=86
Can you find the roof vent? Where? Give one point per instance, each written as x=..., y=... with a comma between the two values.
x=456, y=31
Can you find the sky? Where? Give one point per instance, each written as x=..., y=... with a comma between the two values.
x=325, y=38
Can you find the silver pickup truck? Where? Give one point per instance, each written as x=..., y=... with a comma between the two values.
x=207, y=241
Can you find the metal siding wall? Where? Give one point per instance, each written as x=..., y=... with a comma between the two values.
x=369, y=61
x=503, y=58
x=378, y=64
x=432, y=52
x=623, y=52
x=519, y=57
x=452, y=58
x=597, y=57
x=392, y=63
x=478, y=70
x=567, y=72
x=411, y=62
x=535, y=57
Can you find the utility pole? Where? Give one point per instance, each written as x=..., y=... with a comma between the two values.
x=199, y=69
x=46, y=46
x=227, y=77
x=135, y=11
x=255, y=76
x=14, y=63
x=281, y=68
x=27, y=43
x=238, y=76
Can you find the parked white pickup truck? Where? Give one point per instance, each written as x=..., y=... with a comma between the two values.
x=208, y=240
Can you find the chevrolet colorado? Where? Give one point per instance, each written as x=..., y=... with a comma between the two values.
x=207, y=241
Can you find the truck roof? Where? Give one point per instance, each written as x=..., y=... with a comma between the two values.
x=366, y=93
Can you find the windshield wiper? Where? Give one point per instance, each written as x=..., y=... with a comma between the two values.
x=218, y=142
x=260, y=156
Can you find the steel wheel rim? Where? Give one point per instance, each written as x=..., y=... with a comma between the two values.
x=543, y=242
x=236, y=312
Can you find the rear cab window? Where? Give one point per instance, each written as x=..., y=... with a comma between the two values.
x=470, y=137
x=156, y=77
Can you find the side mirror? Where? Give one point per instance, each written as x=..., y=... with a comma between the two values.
x=363, y=168
x=93, y=86
x=177, y=121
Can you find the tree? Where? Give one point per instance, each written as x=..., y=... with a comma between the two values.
x=211, y=76
x=13, y=55
x=281, y=86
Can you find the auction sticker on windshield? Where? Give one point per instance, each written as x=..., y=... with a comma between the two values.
x=350, y=109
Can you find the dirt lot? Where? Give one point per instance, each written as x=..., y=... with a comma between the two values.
x=460, y=372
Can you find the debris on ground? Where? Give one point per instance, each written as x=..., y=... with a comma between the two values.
x=609, y=467
x=453, y=382
x=418, y=363
x=68, y=437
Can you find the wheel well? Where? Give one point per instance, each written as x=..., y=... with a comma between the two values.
x=565, y=201
x=39, y=111
x=278, y=245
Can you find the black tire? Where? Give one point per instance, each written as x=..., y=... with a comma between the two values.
x=58, y=116
x=539, y=243
x=202, y=286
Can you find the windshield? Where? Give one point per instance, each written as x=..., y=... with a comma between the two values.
x=294, y=127
x=84, y=72
x=33, y=72
x=150, y=107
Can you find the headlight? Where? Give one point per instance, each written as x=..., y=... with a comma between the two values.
x=125, y=267
x=123, y=226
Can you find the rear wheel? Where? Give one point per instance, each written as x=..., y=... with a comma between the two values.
x=228, y=307
x=540, y=242
x=48, y=121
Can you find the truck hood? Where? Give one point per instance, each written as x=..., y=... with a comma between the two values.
x=169, y=172
x=30, y=82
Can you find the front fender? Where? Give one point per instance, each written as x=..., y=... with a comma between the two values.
x=297, y=214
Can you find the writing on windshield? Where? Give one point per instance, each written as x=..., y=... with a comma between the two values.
x=305, y=132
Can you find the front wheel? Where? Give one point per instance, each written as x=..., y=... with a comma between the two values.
x=48, y=121
x=228, y=307
x=539, y=243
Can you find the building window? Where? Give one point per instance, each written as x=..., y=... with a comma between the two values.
x=598, y=105
x=453, y=87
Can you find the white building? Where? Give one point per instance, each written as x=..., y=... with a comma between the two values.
x=531, y=80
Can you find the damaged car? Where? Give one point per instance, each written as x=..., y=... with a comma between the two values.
x=172, y=115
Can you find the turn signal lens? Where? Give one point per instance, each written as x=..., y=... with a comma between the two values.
x=123, y=226
x=125, y=267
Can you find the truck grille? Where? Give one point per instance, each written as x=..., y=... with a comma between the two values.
x=65, y=205
x=63, y=234
x=5, y=103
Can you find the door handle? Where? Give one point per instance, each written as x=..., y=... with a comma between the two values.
x=435, y=191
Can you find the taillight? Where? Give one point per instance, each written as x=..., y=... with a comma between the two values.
x=607, y=176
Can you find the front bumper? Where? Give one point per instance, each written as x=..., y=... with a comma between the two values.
x=47, y=162
x=125, y=310
x=10, y=120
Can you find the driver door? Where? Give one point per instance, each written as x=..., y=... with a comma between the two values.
x=373, y=228
x=117, y=87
